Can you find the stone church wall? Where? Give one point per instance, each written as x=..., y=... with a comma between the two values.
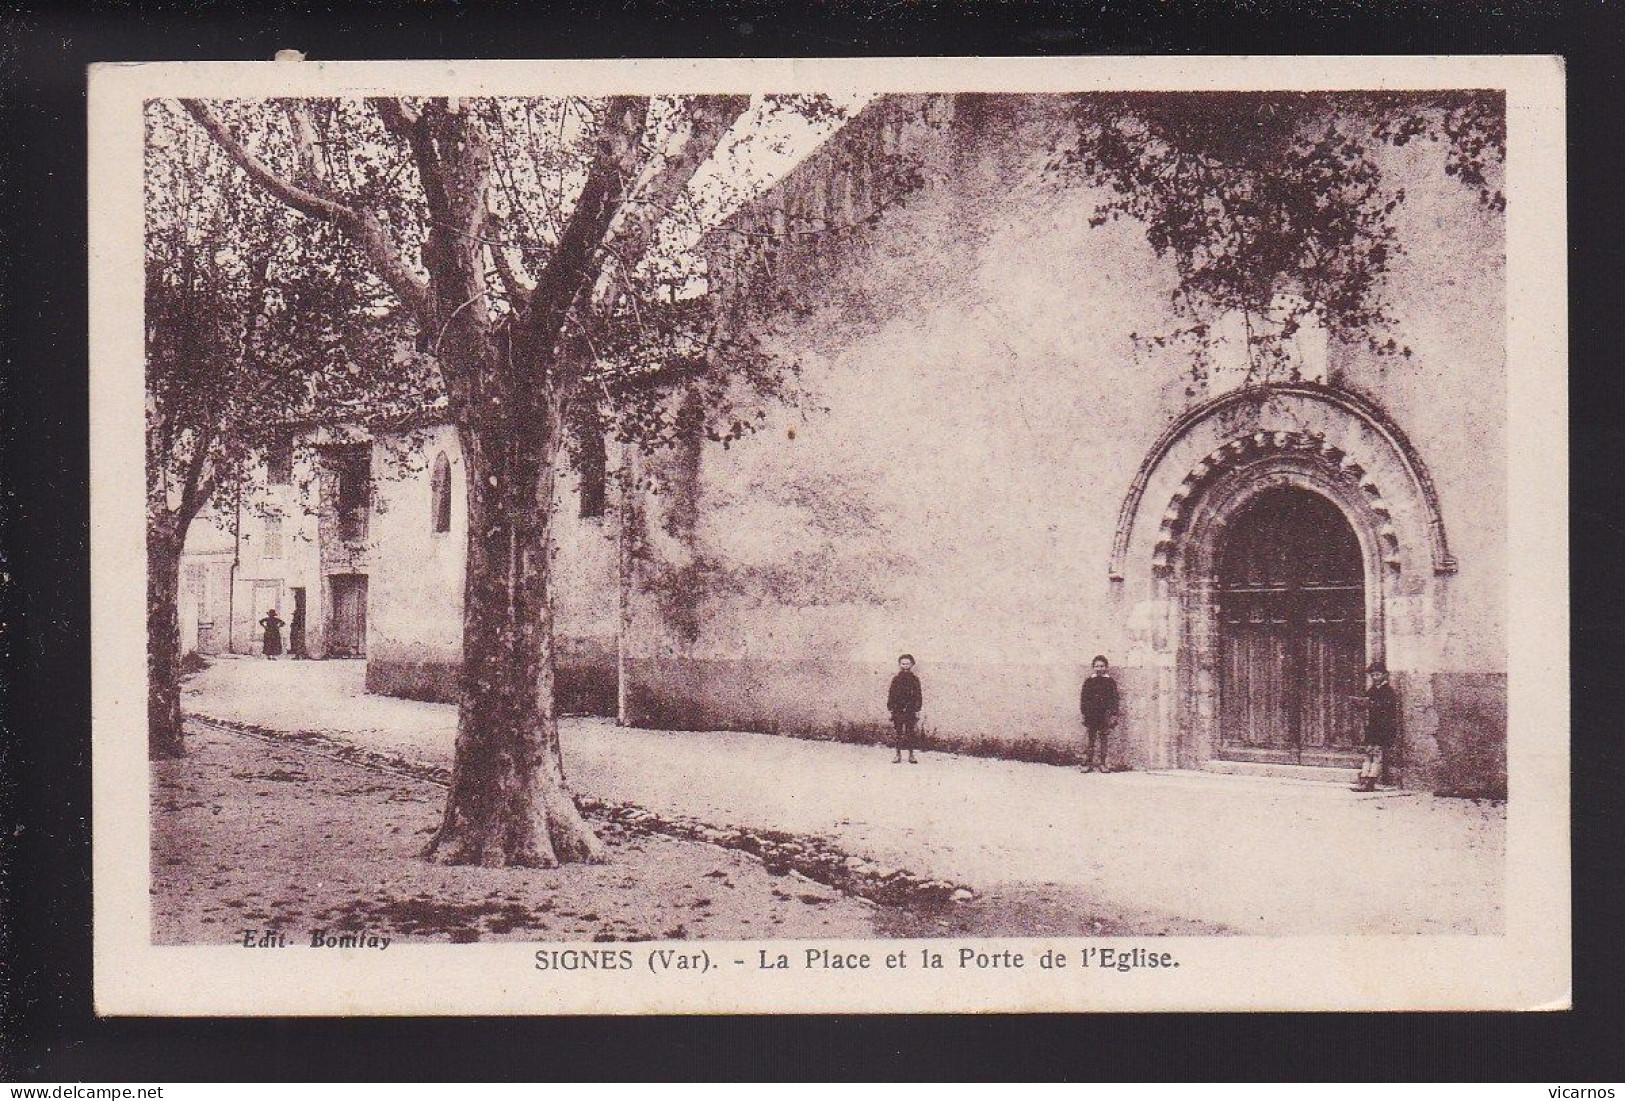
x=415, y=596
x=982, y=399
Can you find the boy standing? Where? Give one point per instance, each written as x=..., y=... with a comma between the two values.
x=1381, y=724
x=903, y=700
x=1098, y=702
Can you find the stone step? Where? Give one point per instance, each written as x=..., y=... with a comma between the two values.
x=1343, y=774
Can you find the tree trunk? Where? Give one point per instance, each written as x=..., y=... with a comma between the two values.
x=164, y=737
x=626, y=545
x=509, y=804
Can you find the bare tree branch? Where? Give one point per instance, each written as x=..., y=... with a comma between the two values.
x=398, y=116
x=709, y=119
x=414, y=128
x=367, y=230
x=572, y=266
x=511, y=284
x=192, y=480
x=311, y=172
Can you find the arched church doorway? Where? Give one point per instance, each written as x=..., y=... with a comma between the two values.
x=1291, y=606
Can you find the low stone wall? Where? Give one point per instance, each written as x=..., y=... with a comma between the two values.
x=1454, y=738
x=1016, y=712
x=586, y=679
x=431, y=681
x=1453, y=742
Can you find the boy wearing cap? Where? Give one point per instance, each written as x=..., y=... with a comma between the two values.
x=1381, y=725
x=903, y=700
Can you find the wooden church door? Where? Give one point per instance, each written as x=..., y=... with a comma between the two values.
x=1292, y=632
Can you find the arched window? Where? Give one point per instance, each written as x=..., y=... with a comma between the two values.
x=440, y=494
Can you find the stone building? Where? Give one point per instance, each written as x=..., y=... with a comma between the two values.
x=359, y=538
x=294, y=536
x=1001, y=474
x=416, y=596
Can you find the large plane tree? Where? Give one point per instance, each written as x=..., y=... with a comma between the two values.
x=524, y=239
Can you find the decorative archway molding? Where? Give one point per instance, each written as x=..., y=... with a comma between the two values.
x=1255, y=442
x=1245, y=452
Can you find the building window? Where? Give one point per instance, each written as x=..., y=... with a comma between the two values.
x=279, y=459
x=591, y=463
x=353, y=489
x=440, y=494
x=272, y=547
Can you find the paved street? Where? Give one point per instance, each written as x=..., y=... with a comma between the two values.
x=1252, y=855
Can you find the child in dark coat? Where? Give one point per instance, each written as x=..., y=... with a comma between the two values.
x=1381, y=727
x=1098, y=703
x=904, y=700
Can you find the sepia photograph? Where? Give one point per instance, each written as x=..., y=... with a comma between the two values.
x=628, y=519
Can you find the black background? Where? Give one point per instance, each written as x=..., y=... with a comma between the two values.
x=47, y=1029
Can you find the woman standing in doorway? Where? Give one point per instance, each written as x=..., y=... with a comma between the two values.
x=273, y=634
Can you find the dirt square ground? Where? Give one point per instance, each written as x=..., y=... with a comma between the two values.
x=252, y=836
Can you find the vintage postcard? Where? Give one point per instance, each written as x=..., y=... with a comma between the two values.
x=984, y=535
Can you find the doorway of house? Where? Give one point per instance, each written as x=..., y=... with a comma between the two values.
x=296, y=624
x=197, y=583
x=1292, y=632
x=347, y=631
x=267, y=595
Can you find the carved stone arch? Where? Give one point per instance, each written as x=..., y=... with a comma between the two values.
x=1342, y=428
x=1200, y=476
x=1357, y=492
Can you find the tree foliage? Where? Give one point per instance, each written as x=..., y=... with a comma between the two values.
x=1277, y=206
x=641, y=329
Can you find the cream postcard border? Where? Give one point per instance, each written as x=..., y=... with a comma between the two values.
x=1528, y=967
